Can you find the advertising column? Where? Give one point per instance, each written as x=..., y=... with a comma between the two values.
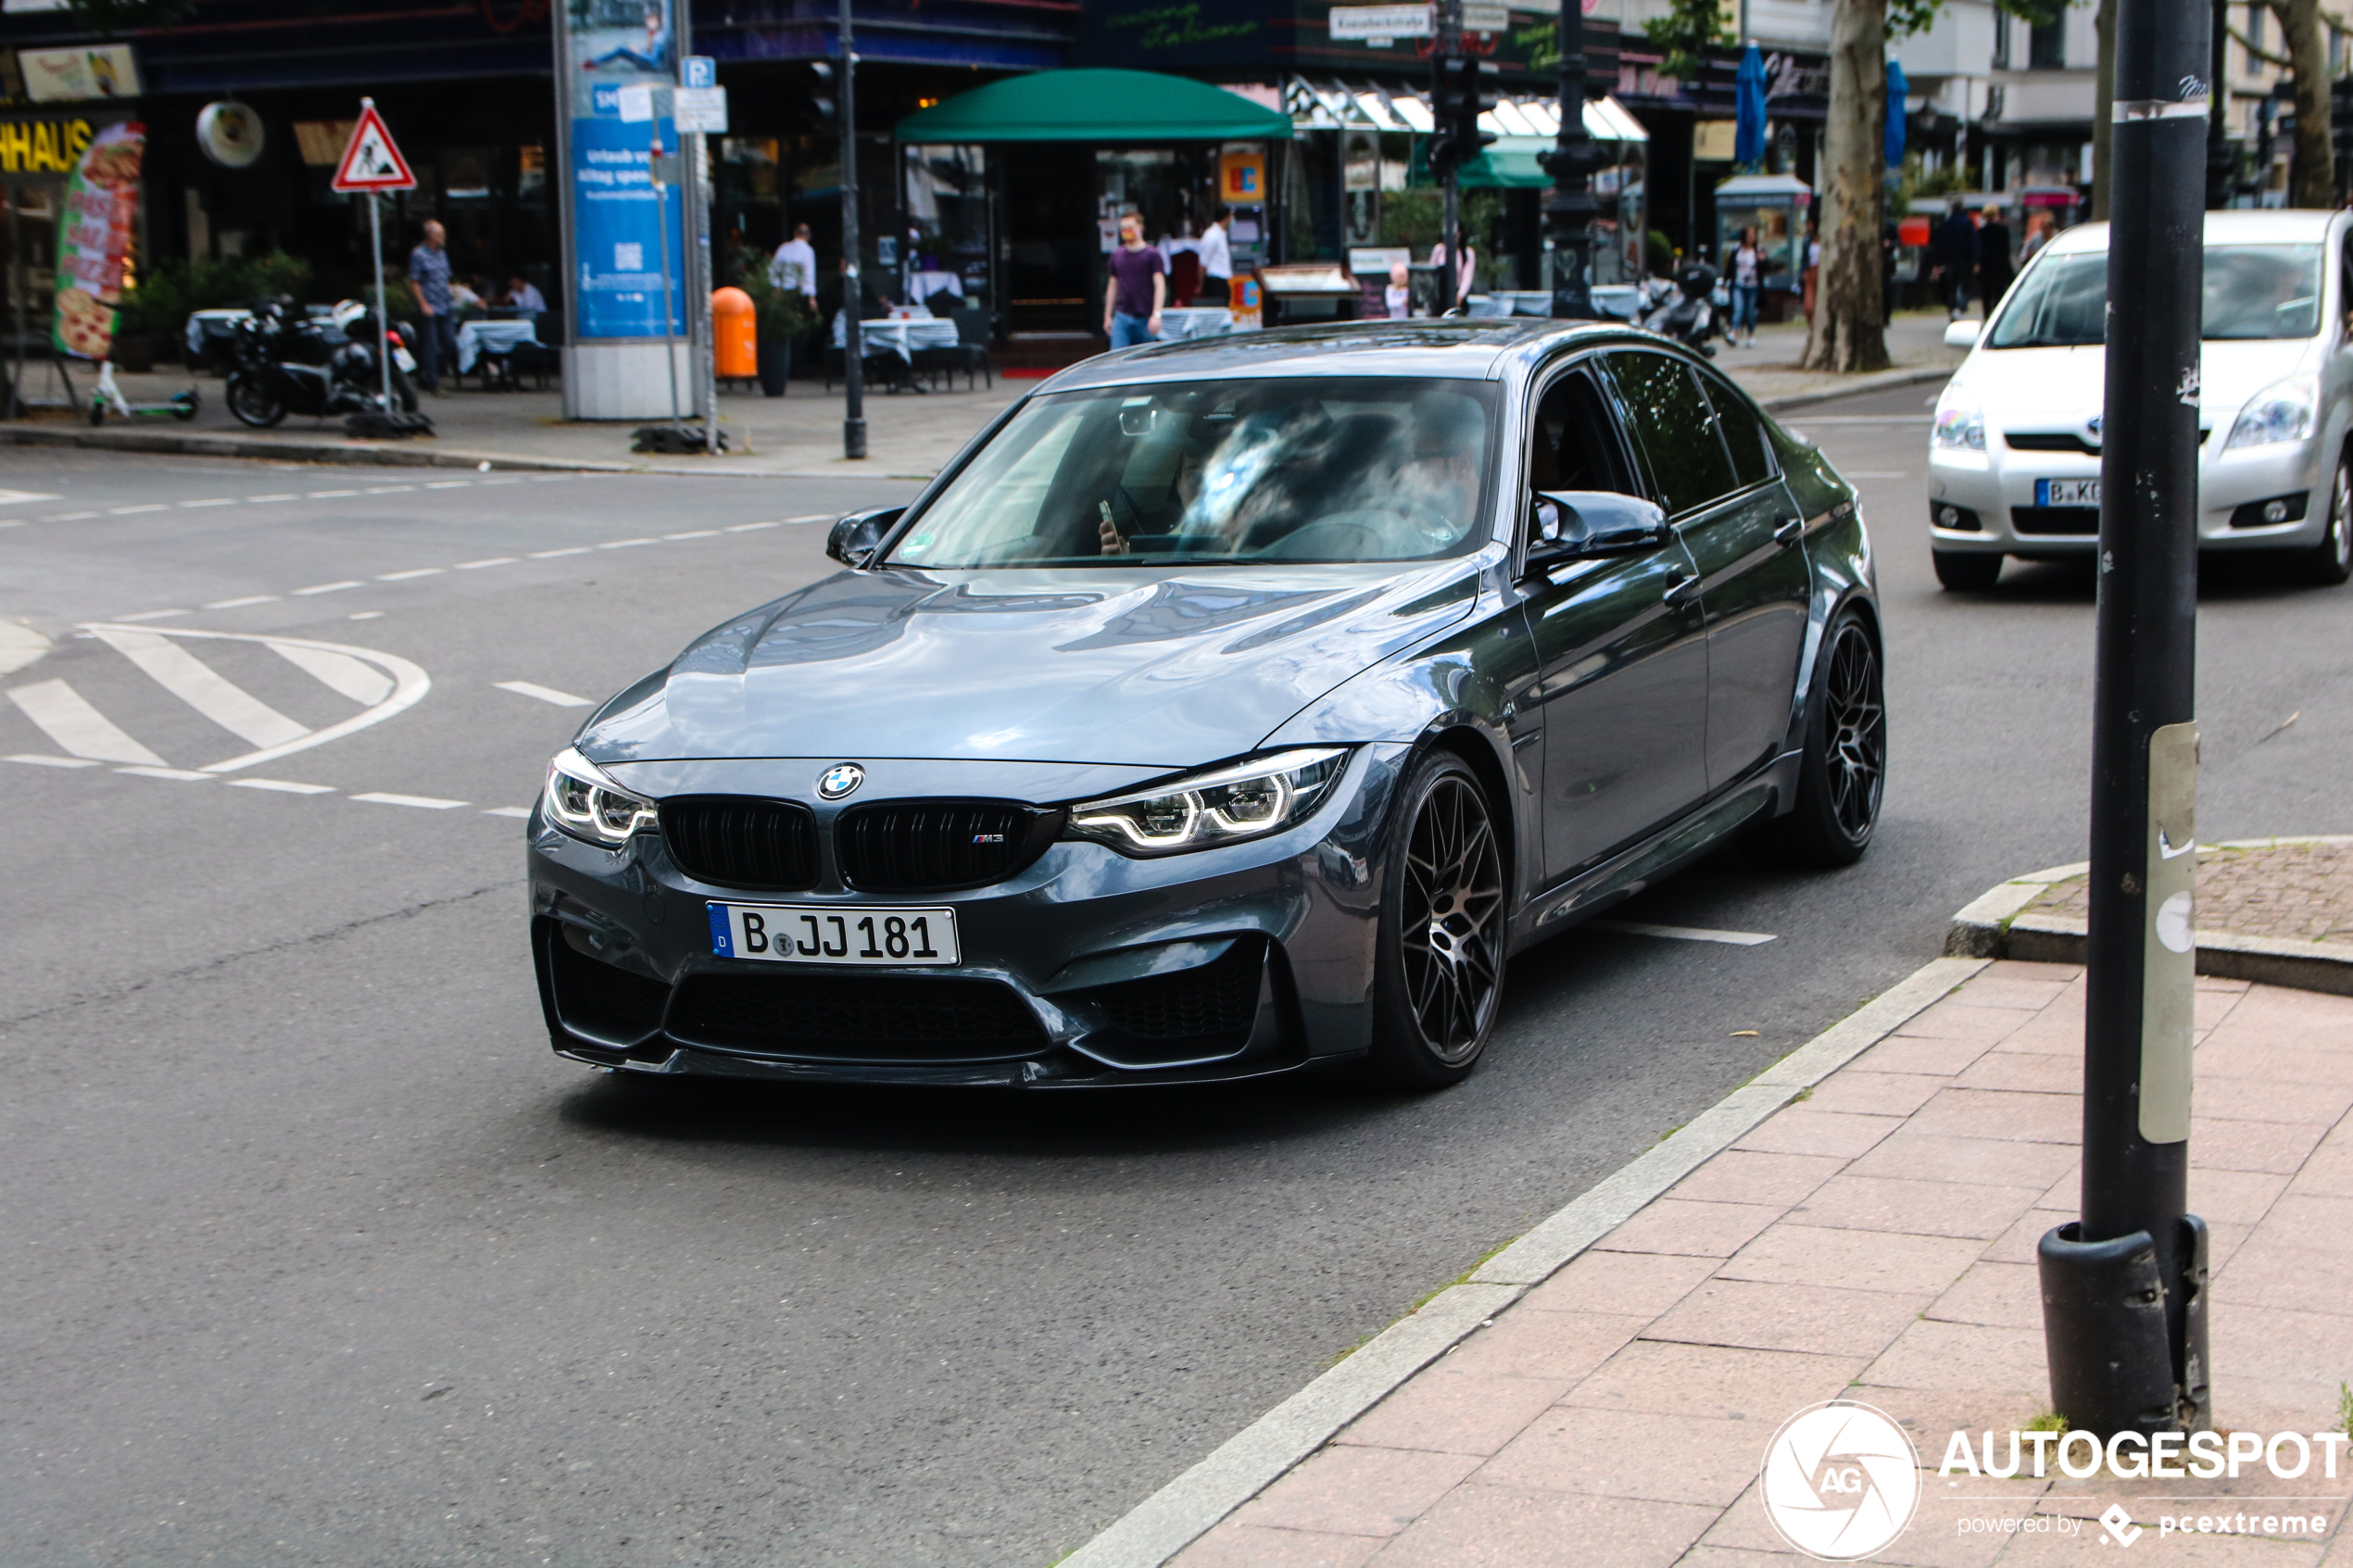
x=625, y=317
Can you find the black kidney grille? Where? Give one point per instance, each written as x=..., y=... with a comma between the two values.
x=857, y=1017
x=742, y=841
x=939, y=842
x=1218, y=1000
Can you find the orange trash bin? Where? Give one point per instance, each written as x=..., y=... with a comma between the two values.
x=734, y=334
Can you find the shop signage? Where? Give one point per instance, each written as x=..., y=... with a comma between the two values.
x=1712, y=141
x=1241, y=179
x=609, y=53
x=1382, y=22
x=101, y=210
x=98, y=71
x=43, y=146
x=1486, y=18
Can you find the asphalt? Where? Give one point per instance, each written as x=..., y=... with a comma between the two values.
x=314, y=1253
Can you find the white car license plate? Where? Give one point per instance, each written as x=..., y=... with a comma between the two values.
x=833, y=935
x=2067, y=492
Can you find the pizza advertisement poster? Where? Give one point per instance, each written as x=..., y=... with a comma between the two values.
x=94, y=240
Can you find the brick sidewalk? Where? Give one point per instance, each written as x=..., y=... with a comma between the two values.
x=2294, y=889
x=1874, y=1242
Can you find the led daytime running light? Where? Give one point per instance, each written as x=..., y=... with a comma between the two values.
x=1242, y=800
x=581, y=801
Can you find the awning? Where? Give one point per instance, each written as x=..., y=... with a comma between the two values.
x=1095, y=105
x=1324, y=105
x=1508, y=164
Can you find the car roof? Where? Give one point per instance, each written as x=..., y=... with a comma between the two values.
x=1460, y=348
x=2282, y=226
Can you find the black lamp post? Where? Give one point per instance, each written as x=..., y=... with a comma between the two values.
x=1569, y=206
x=853, y=342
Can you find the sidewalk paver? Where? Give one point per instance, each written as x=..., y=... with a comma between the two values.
x=1875, y=1242
x=2297, y=889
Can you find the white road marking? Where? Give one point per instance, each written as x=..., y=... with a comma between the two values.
x=330, y=587
x=388, y=489
x=355, y=678
x=1682, y=932
x=544, y=693
x=214, y=501
x=813, y=516
x=127, y=511
x=493, y=560
x=201, y=687
x=40, y=762
x=508, y=811
x=19, y=646
x=240, y=604
x=324, y=494
x=265, y=500
x=422, y=802
x=487, y=482
x=450, y=484
x=10, y=498
x=550, y=555
x=365, y=615
x=413, y=571
x=695, y=533
x=151, y=615
x=626, y=544
x=77, y=727
x=747, y=527
x=182, y=775
x=68, y=517
x=281, y=785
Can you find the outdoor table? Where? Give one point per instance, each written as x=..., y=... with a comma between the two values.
x=901, y=337
x=496, y=339
x=1195, y=321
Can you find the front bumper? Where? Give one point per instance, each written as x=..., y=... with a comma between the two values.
x=1990, y=495
x=1086, y=969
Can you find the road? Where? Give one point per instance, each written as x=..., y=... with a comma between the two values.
x=315, y=1253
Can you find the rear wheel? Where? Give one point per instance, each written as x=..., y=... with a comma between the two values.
x=2330, y=561
x=251, y=403
x=1966, y=571
x=1439, y=978
x=1843, y=772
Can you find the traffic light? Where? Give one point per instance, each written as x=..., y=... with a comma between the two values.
x=1463, y=87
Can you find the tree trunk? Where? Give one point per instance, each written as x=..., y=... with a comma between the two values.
x=2312, y=174
x=1849, y=320
x=2104, y=106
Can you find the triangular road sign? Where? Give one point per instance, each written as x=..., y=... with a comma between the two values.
x=371, y=162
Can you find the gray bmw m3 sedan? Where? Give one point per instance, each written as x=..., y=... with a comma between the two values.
x=1227, y=707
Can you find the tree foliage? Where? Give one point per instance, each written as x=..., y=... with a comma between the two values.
x=1686, y=33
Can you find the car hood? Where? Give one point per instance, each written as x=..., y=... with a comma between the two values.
x=2059, y=388
x=1165, y=668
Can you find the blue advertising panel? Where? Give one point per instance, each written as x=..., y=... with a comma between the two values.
x=624, y=234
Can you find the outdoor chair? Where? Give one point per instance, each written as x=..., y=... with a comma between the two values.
x=969, y=352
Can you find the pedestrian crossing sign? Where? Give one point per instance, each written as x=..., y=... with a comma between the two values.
x=371, y=162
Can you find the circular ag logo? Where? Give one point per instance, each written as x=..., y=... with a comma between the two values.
x=1841, y=1480
x=840, y=780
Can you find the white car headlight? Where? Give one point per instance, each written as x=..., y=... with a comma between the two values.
x=587, y=805
x=2283, y=412
x=1960, y=426
x=1240, y=800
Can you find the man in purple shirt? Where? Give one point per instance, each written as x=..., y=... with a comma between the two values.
x=1138, y=286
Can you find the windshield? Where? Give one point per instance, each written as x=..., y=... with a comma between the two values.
x=1298, y=469
x=2251, y=292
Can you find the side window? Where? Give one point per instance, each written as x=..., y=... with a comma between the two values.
x=1574, y=444
x=1743, y=431
x=1677, y=429
x=2345, y=284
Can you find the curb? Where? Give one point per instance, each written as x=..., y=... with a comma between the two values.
x=1245, y=1465
x=1994, y=926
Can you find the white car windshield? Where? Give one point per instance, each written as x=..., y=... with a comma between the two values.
x=1290, y=468
x=2251, y=292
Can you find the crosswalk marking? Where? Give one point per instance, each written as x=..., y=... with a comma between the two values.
x=152, y=615
x=281, y=785
x=355, y=678
x=77, y=727
x=10, y=498
x=38, y=761
x=195, y=683
x=179, y=775
x=544, y=693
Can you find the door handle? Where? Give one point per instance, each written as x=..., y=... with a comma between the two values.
x=1680, y=589
x=1789, y=532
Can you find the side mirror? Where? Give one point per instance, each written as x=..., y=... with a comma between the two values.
x=1961, y=334
x=856, y=537
x=1581, y=524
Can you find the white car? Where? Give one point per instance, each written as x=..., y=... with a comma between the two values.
x=2014, y=458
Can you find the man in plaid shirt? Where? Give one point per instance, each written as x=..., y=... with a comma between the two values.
x=428, y=281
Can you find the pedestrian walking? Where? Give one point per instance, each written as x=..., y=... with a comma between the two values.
x=1216, y=251
x=2038, y=234
x=1748, y=284
x=795, y=266
x=428, y=282
x=1137, y=289
x=1993, y=270
x=1464, y=273
x=1953, y=258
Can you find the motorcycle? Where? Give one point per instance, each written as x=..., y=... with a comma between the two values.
x=319, y=366
x=1685, y=310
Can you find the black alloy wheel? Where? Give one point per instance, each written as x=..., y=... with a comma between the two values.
x=1439, y=979
x=2330, y=561
x=251, y=402
x=1966, y=571
x=1844, y=775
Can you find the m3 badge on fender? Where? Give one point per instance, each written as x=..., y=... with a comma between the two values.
x=840, y=780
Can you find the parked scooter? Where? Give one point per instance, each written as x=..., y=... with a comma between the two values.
x=320, y=366
x=1685, y=309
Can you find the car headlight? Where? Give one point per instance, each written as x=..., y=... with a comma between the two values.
x=2283, y=412
x=1240, y=800
x=587, y=805
x=1960, y=426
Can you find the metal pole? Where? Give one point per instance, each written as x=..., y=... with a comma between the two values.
x=707, y=366
x=1569, y=206
x=2217, y=148
x=2124, y=1289
x=1450, y=46
x=384, y=306
x=661, y=222
x=853, y=342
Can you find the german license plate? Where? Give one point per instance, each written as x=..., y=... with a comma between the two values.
x=833, y=935
x=2067, y=492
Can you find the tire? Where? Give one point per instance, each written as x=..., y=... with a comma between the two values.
x=1969, y=574
x=1843, y=775
x=2330, y=561
x=98, y=412
x=1437, y=979
x=250, y=403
